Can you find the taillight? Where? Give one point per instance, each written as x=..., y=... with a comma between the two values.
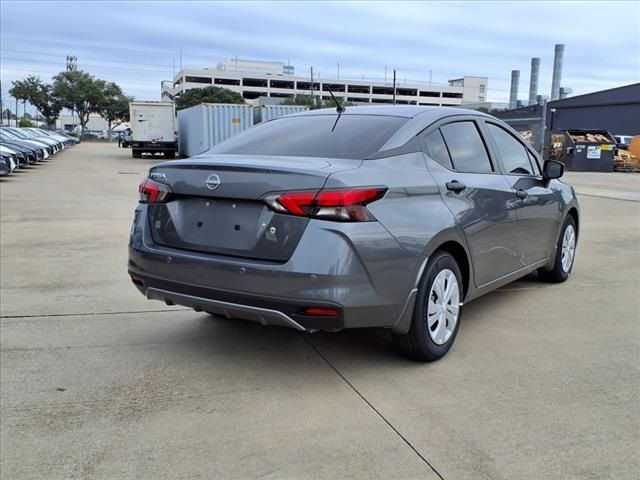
x=153, y=192
x=344, y=205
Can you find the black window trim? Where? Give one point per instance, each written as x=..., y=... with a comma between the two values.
x=518, y=139
x=495, y=168
x=423, y=142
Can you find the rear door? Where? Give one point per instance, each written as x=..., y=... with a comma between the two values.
x=536, y=205
x=476, y=193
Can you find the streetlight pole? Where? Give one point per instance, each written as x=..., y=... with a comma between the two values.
x=394, y=86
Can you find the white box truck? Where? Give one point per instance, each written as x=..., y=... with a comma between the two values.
x=153, y=128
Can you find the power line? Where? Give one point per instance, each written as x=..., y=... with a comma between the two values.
x=87, y=58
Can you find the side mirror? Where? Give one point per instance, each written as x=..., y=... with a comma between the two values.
x=552, y=169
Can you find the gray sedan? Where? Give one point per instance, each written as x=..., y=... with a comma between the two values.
x=388, y=217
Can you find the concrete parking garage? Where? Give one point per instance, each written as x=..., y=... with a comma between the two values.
x=97, y=382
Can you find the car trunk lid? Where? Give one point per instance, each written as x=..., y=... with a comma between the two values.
x=216, y=207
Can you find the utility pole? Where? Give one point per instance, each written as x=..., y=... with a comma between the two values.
x=394, y=86
x=1, y=105
x=72, y=63
x=180, y=59
x=385, y=74
x=338, y=70
x=429, y=77
x=16, y=112
x=311, y=96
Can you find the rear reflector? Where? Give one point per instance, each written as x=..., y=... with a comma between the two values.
x=321, y=312
x=151, y=191
x=137, y=280
x=344, y=205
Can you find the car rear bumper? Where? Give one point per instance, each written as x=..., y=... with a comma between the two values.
x=366, y=278
x=265, y=310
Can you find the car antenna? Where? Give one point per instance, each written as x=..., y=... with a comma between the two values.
x=339, y=108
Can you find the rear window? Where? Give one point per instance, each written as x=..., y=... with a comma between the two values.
x=350, y=136
x=468, y=153
x=437, y=149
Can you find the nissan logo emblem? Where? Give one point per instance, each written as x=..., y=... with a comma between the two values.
x=212, y=182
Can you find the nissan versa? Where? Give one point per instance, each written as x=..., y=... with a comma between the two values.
x=370, y=217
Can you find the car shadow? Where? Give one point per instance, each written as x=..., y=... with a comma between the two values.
x=221, y=337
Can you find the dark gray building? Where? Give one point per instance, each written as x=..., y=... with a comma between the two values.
x=616, y=110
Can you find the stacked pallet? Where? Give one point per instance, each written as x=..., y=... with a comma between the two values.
x=628, y=160
x=556, y=150
x=591, y=138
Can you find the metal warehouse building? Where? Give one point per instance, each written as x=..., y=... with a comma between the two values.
x=616, y=110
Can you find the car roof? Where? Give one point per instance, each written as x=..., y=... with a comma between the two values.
x=407, y=111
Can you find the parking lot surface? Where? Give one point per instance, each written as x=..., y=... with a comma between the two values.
x=97, y=382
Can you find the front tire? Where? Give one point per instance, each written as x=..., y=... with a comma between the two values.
x=565, y=254
x=437, y=313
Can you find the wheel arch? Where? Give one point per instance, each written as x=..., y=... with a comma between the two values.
x=459, y=254
x=573, y=213
x=454, y=246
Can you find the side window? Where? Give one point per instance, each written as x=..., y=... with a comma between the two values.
x=437, y=149
x=468, y=153
x=514, y=155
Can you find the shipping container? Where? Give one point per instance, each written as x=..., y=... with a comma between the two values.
x=205, y=125
x=264, y=113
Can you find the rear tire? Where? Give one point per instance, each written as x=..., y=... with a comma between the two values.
x=437, y=313
x=136, y=154
x=565, y=254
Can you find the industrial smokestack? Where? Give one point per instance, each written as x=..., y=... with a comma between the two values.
x=557, y=72
x=533, y=82
x=565, y=92
x=513, y=96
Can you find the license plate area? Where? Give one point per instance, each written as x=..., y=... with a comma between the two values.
x=209, y=222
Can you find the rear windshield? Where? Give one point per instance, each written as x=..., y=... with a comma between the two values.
x=350, y=136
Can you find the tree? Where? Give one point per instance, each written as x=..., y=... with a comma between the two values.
x=79, y=91
x=306, y=100
x=196, y=96
x=315, y=102
x=25, y=122
x=40, y=95
x=115, y=106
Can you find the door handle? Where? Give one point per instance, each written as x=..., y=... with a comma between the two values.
x=522, y=193
x=455, y=186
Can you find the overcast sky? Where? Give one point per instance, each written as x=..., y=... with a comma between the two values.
x=135, y=44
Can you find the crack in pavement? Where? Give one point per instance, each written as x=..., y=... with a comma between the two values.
x=607, y=197
x=44, y=315
x=370, y=405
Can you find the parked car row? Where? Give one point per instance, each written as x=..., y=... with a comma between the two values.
x=21, y=147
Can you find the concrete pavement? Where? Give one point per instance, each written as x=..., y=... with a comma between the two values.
x=97, y=382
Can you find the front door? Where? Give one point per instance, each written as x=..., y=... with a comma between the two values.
x=536, y=205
